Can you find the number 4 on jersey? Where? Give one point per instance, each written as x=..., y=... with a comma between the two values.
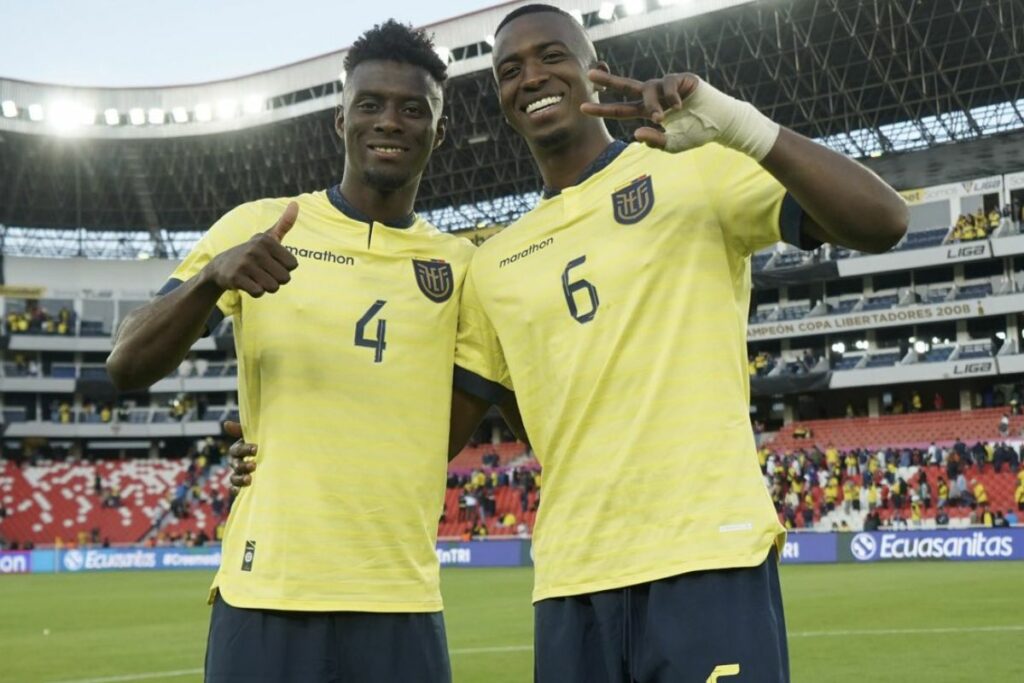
x=377, y=343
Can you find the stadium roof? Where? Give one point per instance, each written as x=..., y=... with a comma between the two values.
x=867, y=78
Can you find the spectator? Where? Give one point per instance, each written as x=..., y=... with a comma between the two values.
x=1011, y=517
x=1004, y=425
x=216, y=504
x=942, y=518
x=938, y=403
x=1000, y=522
x=986, y=518
x=924, y=491
x=994, y=219
x=915, y=401
x=522, y=531
x=472, y=506
x=980, y=494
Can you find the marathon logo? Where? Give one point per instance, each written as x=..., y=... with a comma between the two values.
x=322, y=255
x=535, y=247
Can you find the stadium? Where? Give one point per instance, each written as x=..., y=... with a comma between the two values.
x=886, y=389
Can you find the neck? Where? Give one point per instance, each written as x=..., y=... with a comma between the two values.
x=560, y=166
x=379, y=206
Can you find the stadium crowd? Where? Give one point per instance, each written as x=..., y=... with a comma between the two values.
x=893, y=487
x=35, y=319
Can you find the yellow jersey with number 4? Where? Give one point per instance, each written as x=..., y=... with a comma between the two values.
x=344, y=382
x=617, y=313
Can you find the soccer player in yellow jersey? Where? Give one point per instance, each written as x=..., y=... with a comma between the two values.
x=345, y=317
x=616, y=311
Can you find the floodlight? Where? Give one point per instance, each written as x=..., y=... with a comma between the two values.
x=227, y=108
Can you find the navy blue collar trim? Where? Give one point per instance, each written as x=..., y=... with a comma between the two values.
x=341, y=204
x=610, y=153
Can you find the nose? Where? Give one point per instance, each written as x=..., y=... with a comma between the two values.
x=388, y=122
x=534, y=75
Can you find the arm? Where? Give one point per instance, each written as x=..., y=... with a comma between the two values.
x=847, y=204
x=154, y=339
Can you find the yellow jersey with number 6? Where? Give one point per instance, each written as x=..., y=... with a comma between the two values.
x=617, y=312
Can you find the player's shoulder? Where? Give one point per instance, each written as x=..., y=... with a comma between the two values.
x=457, y=246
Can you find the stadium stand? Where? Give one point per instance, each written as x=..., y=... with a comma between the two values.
x=912, y=430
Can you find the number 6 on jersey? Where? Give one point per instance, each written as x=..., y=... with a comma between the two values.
x=377, y=344
x=570, y=289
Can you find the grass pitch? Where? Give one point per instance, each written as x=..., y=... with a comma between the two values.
x=934, y=622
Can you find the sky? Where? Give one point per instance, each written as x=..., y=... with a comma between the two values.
x=153, y=43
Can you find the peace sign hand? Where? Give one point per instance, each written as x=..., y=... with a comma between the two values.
x=692, y=112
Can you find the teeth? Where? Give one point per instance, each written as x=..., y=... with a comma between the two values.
x=387, y=150
x=540, y=104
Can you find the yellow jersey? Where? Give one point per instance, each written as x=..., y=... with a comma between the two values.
x=344, y=381
x=616, y=311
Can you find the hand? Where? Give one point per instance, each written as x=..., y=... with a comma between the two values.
x=651, y=99
x=260, y=265
x=241, y=468
x=692, y=112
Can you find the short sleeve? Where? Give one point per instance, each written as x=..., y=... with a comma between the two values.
x=232, y=229
x=753, y=208
x=480, y=368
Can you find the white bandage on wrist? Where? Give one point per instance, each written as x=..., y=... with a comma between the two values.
x=710, y=115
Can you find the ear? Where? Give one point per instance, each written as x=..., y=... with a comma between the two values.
x=339, y=121
x=441, y=132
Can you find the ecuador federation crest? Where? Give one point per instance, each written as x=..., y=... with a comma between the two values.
x=634, y=201
x=435, y=279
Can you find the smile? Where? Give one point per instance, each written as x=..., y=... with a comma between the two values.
x=542, y=103
x=386, y=149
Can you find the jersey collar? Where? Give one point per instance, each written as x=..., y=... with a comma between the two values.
x=341, y=204
x=610, y=153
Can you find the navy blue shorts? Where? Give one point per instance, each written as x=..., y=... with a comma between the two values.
x=269, y=646
x=723, y=625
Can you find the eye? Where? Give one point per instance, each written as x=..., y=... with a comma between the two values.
x=509, y=72
x=366, y=105
x=553, y=56
x=413, y=110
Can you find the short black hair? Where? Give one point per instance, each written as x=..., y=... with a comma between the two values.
x=397, y=42
x=531, y=9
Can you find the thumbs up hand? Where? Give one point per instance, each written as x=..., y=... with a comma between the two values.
x=260, y=265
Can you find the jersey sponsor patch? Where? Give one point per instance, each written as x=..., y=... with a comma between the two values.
x=435, y=279
x=250, y=554
x=634, y=201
